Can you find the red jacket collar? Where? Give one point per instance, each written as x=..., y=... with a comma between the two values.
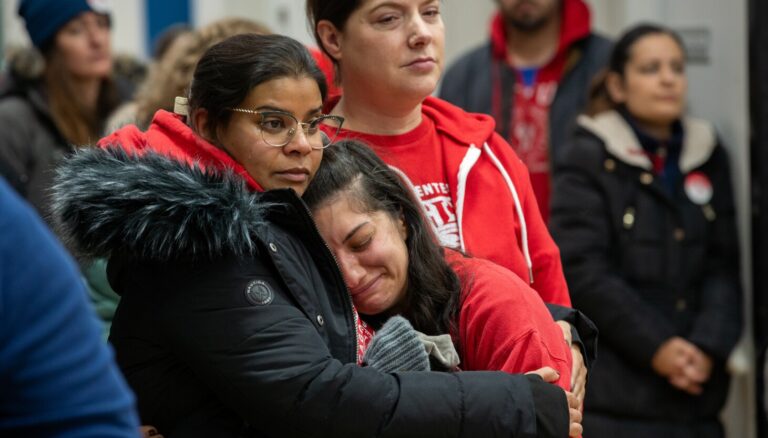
x=574, y=26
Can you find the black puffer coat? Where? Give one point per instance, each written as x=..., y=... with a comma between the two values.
x=235, y=320
x=646, y=264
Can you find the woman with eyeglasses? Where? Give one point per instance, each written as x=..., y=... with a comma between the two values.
x=234, y=318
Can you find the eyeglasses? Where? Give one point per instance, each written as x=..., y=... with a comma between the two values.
x=278, y=128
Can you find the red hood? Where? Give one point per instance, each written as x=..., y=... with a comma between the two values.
x=574, y=26
x=325, y=65
x=169, y=135
x=463, y=127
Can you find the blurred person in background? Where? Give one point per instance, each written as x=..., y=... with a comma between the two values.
x=50, y=108
x=171, y=73
x=533, y=77
x=167, y=37
x=643, y=213
x=63, y=106
x=58, y=377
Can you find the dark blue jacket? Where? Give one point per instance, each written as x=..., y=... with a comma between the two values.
x=57, y=376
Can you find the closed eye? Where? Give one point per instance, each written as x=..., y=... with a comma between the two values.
x=362, y=244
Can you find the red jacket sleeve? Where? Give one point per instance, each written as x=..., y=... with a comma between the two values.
x=548, y=277
x=504, y=325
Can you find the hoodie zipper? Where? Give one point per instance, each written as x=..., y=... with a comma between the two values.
x=347, y=295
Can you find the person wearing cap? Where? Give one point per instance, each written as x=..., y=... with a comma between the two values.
x=45, y=113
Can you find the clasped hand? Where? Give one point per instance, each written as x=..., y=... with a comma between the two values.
x=685, y=365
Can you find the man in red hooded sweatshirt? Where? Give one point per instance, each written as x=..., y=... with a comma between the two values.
x=533, y=77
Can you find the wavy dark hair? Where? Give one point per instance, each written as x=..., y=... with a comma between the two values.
x=350, y=168
x=599, y=98
x=229, y=70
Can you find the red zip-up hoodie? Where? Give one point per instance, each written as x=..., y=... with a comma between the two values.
x=503, y=324
x=495, y=207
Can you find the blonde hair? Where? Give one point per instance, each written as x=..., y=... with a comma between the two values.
x=172, y=74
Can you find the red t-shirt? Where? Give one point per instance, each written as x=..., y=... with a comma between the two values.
x=407, y=153
x=529, y=135
x=436, y=154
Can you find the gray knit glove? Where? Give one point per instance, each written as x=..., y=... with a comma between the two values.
x=396, y=347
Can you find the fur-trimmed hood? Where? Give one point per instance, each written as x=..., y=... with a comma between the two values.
x=153, y=206
x=699, y=140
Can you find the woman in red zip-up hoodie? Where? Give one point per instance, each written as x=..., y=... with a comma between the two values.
x=473, y=188
x=392, y=264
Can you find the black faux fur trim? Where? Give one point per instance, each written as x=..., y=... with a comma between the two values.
x=152, y=206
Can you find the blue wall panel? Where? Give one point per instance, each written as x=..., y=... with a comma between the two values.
x=160, y=14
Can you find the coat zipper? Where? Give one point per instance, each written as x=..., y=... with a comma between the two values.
x=348, y=296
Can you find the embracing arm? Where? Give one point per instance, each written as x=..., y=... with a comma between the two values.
x=504, y=325
x=271, y=366
x=582, y=332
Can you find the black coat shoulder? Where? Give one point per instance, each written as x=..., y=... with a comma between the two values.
x=468, y=79
x=584, y=150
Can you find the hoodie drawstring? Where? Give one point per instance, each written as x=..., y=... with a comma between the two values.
x=466, y=165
